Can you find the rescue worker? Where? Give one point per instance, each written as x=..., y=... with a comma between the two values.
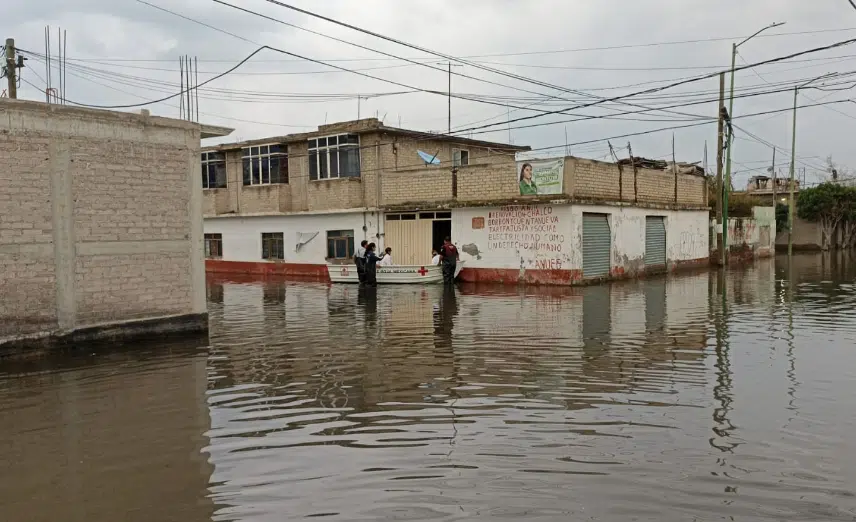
x=449, y=259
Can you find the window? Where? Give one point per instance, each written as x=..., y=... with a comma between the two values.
x=213, y=170
x=340, y=244
x=460, y=157
x=334, y=157
x=213, y=246
x=265, y=165
x=272, y=245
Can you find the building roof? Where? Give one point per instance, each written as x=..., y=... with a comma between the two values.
x=214, y=131
x=363, y=126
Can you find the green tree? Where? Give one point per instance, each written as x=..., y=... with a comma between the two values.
x=829, y=205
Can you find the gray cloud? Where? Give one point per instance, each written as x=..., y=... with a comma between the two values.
x=150, y=41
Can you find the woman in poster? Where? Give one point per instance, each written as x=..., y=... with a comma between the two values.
x=527, y=184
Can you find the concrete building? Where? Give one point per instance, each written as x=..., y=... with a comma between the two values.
x=290, y=204
x=100, y=223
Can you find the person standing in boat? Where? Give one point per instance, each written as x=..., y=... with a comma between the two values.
x=449, y=259
x=360, y=261
x=386, y=258
x=371, y=265
x=435, y=257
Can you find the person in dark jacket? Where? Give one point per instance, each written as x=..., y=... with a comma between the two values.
x=449, y=259
x=360, y=261
x=371, y=265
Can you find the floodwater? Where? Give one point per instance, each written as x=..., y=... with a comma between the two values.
x=695, y=397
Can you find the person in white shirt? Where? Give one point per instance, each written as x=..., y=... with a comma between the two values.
x=386, y=260
x=435, y=258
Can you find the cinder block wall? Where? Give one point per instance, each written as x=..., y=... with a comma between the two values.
x=100, y=218
x=598, y=180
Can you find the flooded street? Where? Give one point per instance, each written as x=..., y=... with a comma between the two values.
x=693, y=397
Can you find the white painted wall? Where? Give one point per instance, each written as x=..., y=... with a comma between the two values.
x=526, y=236
x=687, y=233
x=552, y=234
x=242, y=240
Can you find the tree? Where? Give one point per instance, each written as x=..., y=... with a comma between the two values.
x=829, y=205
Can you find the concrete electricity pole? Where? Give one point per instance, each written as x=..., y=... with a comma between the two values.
x=791, y=204
x=11, y=68
x=719, y=144
x=730, y=138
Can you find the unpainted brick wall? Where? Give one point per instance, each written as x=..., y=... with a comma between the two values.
x=589, y=179
x=485, y=182
x=402, y=187
x=125, y=185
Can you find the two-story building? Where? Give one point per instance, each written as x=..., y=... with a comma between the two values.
x=292, y=204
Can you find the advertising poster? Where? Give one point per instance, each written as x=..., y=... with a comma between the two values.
x=540, y=177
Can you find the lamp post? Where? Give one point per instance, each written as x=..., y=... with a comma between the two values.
x=726, y=186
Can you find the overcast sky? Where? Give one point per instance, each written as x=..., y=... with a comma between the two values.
x=124, y=52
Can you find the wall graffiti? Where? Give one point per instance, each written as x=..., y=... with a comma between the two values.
x=691, y=245
x=532, y=232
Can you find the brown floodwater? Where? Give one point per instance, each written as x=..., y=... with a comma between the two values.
x=705, y=396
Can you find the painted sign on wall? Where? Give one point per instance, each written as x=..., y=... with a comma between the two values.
x=540, y=177
x=535, y=232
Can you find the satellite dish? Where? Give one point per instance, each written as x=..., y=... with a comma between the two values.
x=429, y=159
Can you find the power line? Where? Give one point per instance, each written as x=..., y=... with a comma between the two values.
x=529, y=53
x=423, y=49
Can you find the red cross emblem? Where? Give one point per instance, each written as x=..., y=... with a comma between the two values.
x=422, y=271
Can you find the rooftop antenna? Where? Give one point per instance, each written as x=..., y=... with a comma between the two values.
x=567, y=149
x=181, y=88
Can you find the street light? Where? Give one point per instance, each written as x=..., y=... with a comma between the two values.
x=791, y=206
x=727, y=185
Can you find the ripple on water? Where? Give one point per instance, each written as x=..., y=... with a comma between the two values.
x=688, y=397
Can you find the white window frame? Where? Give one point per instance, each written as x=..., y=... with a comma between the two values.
x=264, y=155
x=207, y=162
x=326, y=149
x=458, y=156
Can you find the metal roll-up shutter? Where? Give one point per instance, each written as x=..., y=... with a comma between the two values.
x=655, y=241
x=597, y=244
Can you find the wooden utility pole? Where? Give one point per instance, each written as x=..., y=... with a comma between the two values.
x=635, y=174
x=11, y=68
x=719, y=186
x=620, y=171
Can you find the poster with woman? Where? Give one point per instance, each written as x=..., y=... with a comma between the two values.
x=540, y=177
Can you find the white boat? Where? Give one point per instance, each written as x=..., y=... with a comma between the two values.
x=386, y=275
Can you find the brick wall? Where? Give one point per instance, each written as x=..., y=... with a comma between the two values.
x=485, y=182
x=589, y=179
x=27, y=278
x=99, y=217
x=419, y=186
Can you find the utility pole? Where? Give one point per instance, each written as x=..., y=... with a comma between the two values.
x=791, y=181
x=775, y=201
x=727, y=185
x=791, y=203
x=719, y=186
x=450, y=65
x=11, y=68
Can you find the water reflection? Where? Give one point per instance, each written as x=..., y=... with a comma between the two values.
x=709, y=396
